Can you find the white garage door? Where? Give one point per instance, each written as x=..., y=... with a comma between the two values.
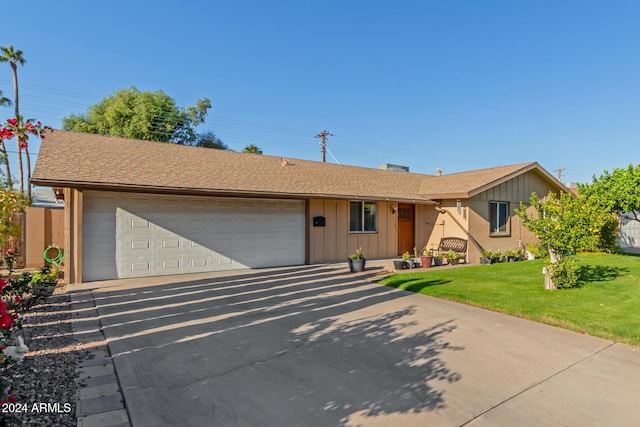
x=136, y=235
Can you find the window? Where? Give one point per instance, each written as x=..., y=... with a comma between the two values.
x=499, y=218
x=363, y=217
x=404, y=213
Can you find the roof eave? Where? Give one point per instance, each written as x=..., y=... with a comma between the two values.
x=214, y=192
x=526, y=168
x=444, y=196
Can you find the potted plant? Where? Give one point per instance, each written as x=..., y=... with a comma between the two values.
x=437, y=260
x=408, y=262
x=532, y=251
x=416, y=258
x=427, y=257
x=356, y=261
x=492, y=256
x=510, y=256
x=453, y=257
x=518, y=254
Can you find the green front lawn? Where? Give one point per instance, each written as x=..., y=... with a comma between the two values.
x=606, y=305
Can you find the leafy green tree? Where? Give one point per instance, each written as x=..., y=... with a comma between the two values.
x=564, y=224
x=253, y=149
x=152, y=116
x=209, y=140
x=617, y=192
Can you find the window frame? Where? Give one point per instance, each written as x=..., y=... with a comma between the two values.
x=363, y=221
x=507, y=222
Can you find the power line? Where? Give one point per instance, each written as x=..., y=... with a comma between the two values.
x=323, y=135
x=38, y=101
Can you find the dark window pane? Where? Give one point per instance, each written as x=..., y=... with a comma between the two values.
x=370, y=213
x=493, y=217
x=499, y=217
x=502, y=217
x=355, y=216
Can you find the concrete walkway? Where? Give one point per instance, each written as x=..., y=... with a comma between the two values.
x=317, y=346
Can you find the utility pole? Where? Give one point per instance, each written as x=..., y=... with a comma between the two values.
x=559, y=173
x=323, y=135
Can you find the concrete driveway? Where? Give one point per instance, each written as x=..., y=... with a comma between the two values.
x=317, y=346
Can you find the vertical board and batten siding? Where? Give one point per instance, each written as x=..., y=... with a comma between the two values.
x=513, y=191
x=334, y=242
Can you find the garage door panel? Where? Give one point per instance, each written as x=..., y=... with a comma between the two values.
x=130, y=235
x=200, y=263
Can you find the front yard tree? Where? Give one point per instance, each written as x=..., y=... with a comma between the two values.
x=565, y=225
x=5, y=102
x=152, y=116
x=15, y=57
x=20, y=130
x=617, y=192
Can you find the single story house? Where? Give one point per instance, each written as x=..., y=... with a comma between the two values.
x=140, y=208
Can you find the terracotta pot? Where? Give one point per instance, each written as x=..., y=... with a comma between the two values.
x=426, y=260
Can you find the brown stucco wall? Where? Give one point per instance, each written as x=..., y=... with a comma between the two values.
x=513, y=191
x=428, y=226
x=44, y=227
x=334, y=242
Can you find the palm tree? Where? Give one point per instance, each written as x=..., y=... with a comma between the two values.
x=15, y=57
x=253, y=149
x=5, y=102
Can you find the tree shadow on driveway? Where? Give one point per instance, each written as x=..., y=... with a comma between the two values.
x=314, y=347
x=392, y=364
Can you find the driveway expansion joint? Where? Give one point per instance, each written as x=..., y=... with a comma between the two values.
x=537, y=383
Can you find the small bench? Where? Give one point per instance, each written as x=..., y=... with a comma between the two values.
x=455, y=244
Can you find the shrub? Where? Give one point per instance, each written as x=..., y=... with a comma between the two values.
x=356, y=255
x=564, y=274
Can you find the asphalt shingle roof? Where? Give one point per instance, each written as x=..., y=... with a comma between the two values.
x=71, y=159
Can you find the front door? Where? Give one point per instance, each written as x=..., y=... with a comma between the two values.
x=406, y=228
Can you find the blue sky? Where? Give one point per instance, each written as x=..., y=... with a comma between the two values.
x=458, y=85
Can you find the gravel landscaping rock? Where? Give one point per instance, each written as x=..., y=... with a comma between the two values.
x=44, y=383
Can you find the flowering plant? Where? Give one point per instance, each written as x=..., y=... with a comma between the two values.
x=17, y=127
